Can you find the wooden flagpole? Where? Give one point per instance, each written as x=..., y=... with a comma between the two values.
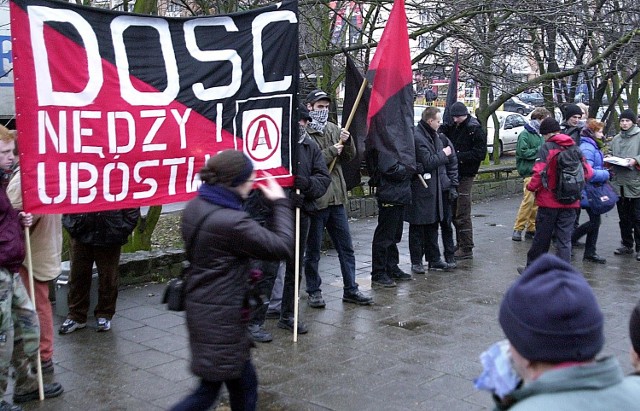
x=32, y=294
x=296, y=273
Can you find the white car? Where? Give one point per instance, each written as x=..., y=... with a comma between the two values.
x=511, y=125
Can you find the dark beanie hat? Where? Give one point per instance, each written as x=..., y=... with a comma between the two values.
x=459, y=109
x=549, y=125
x=550, y=314
x=634, y=328
x=629, y=115
x=229, y=168
x=571, y=110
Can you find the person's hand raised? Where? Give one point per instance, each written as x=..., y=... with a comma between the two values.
x=270, y=188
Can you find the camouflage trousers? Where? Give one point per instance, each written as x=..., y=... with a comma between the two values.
x=19, y=334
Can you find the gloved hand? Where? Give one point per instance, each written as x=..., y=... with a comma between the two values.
x=301, y=182
x=453, y=194
x=297, y=200
x=419, y=168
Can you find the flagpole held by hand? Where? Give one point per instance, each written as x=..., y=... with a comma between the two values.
x=32, y=294
x=422, y=180
x=363, y=87
x=296, y=273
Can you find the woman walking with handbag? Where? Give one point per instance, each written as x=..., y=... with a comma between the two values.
x=217, y=287
x=590, y=135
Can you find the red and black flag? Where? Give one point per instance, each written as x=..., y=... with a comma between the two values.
x=390, y=116
x=120, y=110
x=452, y=92
x=358, y=128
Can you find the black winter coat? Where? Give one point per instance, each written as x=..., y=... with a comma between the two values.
x=103, y=228
x=311, y=164
x=470, y=141
x=426, y=204
x=221, y=254
x=450, y=179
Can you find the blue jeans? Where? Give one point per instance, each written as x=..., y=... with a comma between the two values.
x=243, y=393
x=335, y=219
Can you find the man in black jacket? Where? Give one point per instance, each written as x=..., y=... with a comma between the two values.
x=470, y=142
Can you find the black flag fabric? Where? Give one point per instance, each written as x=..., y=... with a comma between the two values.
x=452, y=93
x=390, y=116
x=358, y=128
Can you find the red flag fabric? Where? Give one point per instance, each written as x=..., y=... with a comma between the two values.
x=390, y=116
x=452, y=93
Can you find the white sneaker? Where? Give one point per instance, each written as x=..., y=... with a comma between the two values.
x=103, y=324
x=69, y=326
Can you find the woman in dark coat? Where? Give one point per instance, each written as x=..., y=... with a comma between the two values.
x=426, y=209
x=222, y=239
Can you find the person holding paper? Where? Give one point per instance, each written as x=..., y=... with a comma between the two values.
x=626, y=182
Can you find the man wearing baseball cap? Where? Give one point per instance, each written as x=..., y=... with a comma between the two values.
x=337, y=148
x=555, y=330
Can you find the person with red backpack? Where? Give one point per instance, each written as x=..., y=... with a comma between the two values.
x=559, y=175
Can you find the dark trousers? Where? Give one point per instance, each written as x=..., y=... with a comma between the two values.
x=446, y=227
x=591, y=229
x=288, y=290
x=549, y=221
x=243, y=393
x=82, y=258
x=388, y=233
x=423, y=241
x=264, y=287
x=461, y=209
x=629, y=213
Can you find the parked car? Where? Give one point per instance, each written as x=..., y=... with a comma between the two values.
x=515, y=105
x=535, y=98
x=510, y=127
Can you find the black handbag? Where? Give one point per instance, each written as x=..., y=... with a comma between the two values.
x=175, y=291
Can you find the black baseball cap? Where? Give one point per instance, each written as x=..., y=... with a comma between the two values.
x=317, y=95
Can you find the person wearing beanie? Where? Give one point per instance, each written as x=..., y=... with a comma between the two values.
x=554, y=326
x=626, y=183
x=222, y=239
x=634, y=334
x=553, y=217
x=337, y=148
x=470, y=141
x=589, y=137
x=570, y=125
x=529, y=142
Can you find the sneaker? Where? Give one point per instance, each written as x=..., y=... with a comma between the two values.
x=50, y=391
x=382, y=280
x=47, y=367
x=529, y=235
x=463, y=253
x=517, y=235
x=259, y=334
x=417, y=268
x=357, y=298
x=439, y=265
x=401, y=276
x=623, y=250
x=69, y=326
x=594, y=258
x=5, y=406
x=451, y=261
x=103, y=324
x=315, y=300
x=272, y=315
x=287, y=324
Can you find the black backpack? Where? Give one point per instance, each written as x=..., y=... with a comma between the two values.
x=569, y=174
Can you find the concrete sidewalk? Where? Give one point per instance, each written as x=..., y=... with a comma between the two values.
x=417, y=348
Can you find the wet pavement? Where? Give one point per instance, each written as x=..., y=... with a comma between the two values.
x=417, y=348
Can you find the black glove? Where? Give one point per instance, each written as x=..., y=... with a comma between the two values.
x=453, y=194
x=297, y=200
x=302, y=183
x=419, y=168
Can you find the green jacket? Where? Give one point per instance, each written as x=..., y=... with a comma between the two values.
x=529, y=143
x=626, y=144
x=337, y=192
x=593, y=387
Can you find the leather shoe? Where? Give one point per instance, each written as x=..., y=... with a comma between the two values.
x=401, y=276
x=382, y=280
x=439, y=265
x=417, y=269
x=623, y=250
x=595, y=258
x=357, y=298
x=259, y=334
x=50, y=391
x=315, y=300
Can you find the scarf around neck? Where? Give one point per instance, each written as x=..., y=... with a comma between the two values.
x=219, y=195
